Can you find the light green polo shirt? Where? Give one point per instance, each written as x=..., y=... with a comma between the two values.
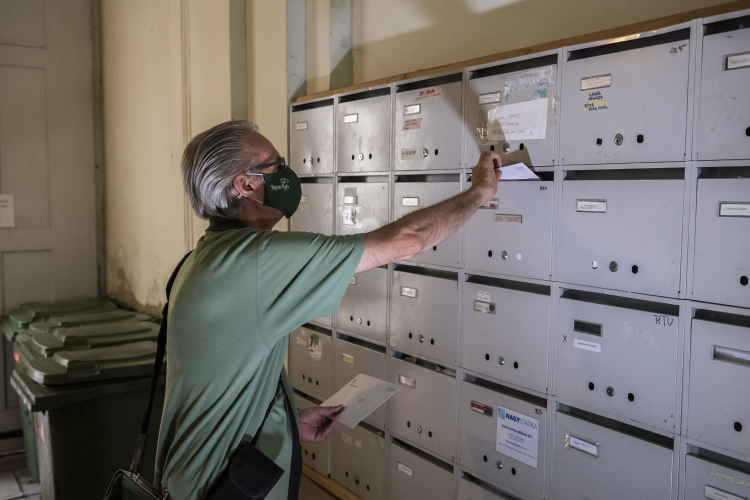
x=233, y=304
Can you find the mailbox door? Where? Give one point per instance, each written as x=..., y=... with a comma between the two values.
x=361, y=206
x=626, y=467
x=424, y=316
x=468, y=490
x=352, y=359
x=721, y=267
x=618, y=360
x=427, y=127
x=512, y=233
x=411, y=196
x=411, y=476
x=530, y=95
x=505, y=333
x=707, y=479
x=608, y=237
x=363, y=135
x=723, y=122
x=423, y=410
x=718, y=402
x=363, y=309
x=640, y=95
x=491, y=424
x=310, y=358
x=358, y=462
x=315, y=212
x=311, y=140
x=315, y=455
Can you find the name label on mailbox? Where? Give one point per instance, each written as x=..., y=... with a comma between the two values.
x=409, y=382
x=481, y=408
x=508, y=218
x=716, y=494
x=347, y=438
x=410, y=202
x=587, y=346
x=491, y=97
x=584, y=446
x=351, y=118
x=736, y=61
x=429, y=92
x=350, y=200
x=409, y=153
x=347, y=358
x=412, y=124
x=409, y=292
x=301, y=341
x=302, y=126
x=734, y=209
x=484, y=307
x=596, y=82
x=490, y=204
x=406, y=470
x=517, y=436
x=595, y=206
x=304, y=199
x=412, y=109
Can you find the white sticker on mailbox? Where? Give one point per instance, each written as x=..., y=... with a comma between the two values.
x=596, y=206
x=405, y=469
x=491, y=97
x=351, y=118
x=484, y=307
x=302, y=126
x=734, y=209
x=346, y=358
x=412, y=109
x=596, y=82
x=509, y=218
x=350, y=200
x=409, y=154
x=301, y=341
x=347, y=438
x=484, y=296
x=409, y=202
x=304, y=199
x=715, y=494
x=493, y=203
x=519, y=121
x=517, y=436
x=584, y=446
x=736, y=61
x=429, y=92
x=412, y=124
x=587, y=346
x=348, y=216
x=409, y=292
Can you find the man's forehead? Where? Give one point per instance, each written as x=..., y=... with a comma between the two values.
x=262, y=148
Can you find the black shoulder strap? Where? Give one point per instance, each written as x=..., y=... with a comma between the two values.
x=161, y=344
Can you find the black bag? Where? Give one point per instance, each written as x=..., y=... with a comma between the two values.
x=249, y=475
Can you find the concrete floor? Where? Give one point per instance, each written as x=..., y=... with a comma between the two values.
x=308, y=490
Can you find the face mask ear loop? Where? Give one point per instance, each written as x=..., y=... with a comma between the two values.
x=261, y=178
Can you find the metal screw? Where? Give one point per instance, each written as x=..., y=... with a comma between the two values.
x=419, y=429
x=506, y=147
x=613, y=266
x=356, y=480
x=504, y=255
x=610, y=391
x=618, y=140
x=361, y=156
x=501, y=360
x=499, y=464
x=359, y=321
x=310, y=160
x=425, y=152
x=421, y=339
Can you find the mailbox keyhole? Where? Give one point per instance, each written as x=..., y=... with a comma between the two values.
x=318, y=160
x=492, y=148
x=631, y=397
x=484, y=458
x=521, y=147
x=351, y=318
x=356, y=480
x=513, y=471
x=610, y=391
x=309, y=380
x=304, y=160
x=743, y=281
x=432, y=341
x=352, y=157
x=634, y=269
x=489, y=254
x=598, y=142
x=409, y=334
x=486, y=357
x=429, y=433
x=639, y=139
x=370, y=157
x=737, y=426
x=591, y=386
x=368, y=323
x=436, y=152
x=515, y=365
x=613, y=266
x=408, y=424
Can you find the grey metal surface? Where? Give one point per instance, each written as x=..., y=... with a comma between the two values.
x=434, y=132
x=510, y=344
x=310, y=362
x=424, y=316
x=477, y=441
x=626, y=234
x=723, y=122
x=626, y=468
x=411, y=196
x=635, y=357
x=315, y=212
x=525, y=85
x=422, y=412
x=718, y=404
x=413, y=476
x=363, y=310
x=707, y=479
x=350, y=360
x=361, y=206
x=468, y=490
x=721, y=267
x=358, y=461
x=520, y=226
x=368, y=136
x=311, y=140
x=315, y=455
x=648, y=96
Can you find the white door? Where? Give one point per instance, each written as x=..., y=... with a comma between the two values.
x=46, y=163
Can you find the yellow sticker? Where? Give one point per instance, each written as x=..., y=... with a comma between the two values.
x=596, y=106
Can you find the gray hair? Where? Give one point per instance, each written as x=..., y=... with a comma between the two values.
x=209, y=164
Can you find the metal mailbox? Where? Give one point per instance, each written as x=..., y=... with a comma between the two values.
x=723, y=128
x=315, y=212
x=512, y=233
x=414, y=474
x=310, y=362
x=424, y=313
x=707, y=479
x=412, y=193
x=718, y=410
x=362, y=204
x=608, y=237
x=511, y=109
x=721, y=267
x=311, y=137
x=315, y=455
x=358, y=461
x=428, y=123
x=422, y=412
x=593, y=461
x=352, y=357
x=505, y=330
x=363, y=310
x=619, y=356
x=502, y=437
x=469, y=490
x=363, y=130
x=626, y=101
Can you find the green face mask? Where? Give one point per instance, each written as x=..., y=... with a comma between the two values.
x=283, y=188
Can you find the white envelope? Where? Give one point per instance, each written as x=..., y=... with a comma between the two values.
x=360, y=397
x=517, y=172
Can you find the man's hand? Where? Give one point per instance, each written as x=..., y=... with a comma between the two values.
x=314, y=424
x=484, y=177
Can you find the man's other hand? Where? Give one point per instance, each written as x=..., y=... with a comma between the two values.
x=315, y=424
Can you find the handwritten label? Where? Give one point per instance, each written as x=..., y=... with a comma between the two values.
x=412, y=109
x=409, y=292
x=350, y=200
x=409, y=202
x=587, y=346
x=596, y=106
x=412, y=124
x=508, y=218
x=484, y=307
x=734, y=209
x=596, y=82
x=596, y=206
x=491, y=97
x=737, y=61
x=484, y=296
x=716, y=494
x=584, y=446
x=519, y=121
x=406, y=470
x=7, y=211
x=429, y=92
x=302, y=126
x=409, y=154
x=351, y=118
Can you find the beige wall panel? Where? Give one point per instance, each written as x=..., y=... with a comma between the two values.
x=22, y=22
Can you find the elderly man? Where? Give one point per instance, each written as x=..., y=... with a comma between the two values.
x=241, y=292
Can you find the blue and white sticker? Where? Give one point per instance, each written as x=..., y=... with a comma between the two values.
x=517, y=436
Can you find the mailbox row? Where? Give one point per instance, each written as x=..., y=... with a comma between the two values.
x=668, y=95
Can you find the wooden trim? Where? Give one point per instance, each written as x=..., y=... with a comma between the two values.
x=629, y=29
x=328, y=484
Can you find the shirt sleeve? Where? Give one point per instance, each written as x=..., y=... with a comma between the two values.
x=302, y=276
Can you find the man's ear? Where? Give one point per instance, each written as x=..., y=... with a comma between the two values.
x=247, y=186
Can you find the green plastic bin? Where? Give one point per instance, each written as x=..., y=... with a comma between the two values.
x=19, y=319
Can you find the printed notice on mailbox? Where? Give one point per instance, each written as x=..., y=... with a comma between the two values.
x=517, y=436
x=360, y=397
x=525, y=120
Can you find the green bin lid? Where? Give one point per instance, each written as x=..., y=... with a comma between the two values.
x=28, y=313
x=86, y=319
x=105, y=363
x=91, y=336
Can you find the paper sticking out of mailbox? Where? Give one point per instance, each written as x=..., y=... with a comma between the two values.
x=360, y=397
x=517, y=172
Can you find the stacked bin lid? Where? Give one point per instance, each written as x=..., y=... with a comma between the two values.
x=22, y=317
